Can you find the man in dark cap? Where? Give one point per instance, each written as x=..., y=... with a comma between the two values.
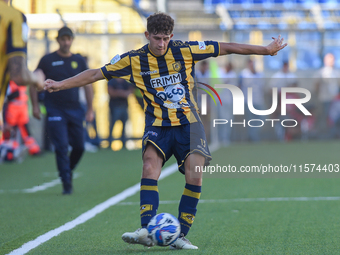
x=64, y=112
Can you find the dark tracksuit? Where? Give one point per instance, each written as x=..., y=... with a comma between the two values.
x=64, y=113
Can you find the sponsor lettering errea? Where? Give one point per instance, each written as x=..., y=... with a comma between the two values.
x=166, y=80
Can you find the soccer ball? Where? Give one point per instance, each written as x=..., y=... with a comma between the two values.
x=164, y=229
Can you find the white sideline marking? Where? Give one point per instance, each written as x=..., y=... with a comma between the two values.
x=87, y=215
x=92, y=212
x=265, y=199
x=41, y=187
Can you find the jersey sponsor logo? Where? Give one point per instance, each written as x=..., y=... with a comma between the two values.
x=137, y=51
x=166, y=80
x=180, y=43
x=55, y=118
x=173, y=93
x=176, y=105
x=177, y=66
x=201, y=45
x=172, y=96
x=148, y=72
x=24, y=32
x=58, y=63
x=115, y=59
x=74, y=64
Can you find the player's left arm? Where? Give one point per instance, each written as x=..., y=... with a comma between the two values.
x=89, y=99
x=249, y=49
x=87, y=77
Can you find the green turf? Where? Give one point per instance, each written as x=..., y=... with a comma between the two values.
x=221, y=227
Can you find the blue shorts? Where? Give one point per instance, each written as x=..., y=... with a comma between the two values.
x=180, y=141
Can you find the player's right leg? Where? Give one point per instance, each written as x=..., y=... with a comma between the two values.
x=149, y=199
x=57, y=131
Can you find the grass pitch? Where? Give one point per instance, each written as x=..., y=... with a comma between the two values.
x=237, y=215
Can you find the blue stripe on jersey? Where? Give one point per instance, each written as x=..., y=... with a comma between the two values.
x=144, y=67
x=163, y=69
x=179, y=57
x=153, y=74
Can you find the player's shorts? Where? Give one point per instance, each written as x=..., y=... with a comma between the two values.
x=180, y=141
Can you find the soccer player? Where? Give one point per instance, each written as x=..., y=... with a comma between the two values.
x=13, y=49
x=64, y=113
x=163, y=70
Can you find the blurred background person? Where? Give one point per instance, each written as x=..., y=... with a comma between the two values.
x=16, y=117
x=203, y=74
x=227, y=76
x=119, y=90
x=64, y=113
x=334, y=117
x=13, y=50
x=203, y=71
x=327, y=89
x=281, y=79
x=250, y=78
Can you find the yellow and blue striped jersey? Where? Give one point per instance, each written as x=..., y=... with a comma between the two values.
x=13, y=38
x=166, y=81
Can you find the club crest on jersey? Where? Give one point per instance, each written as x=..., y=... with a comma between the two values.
x=177, y=66
x=74, y=64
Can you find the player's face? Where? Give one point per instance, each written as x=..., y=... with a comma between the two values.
x=65, y=43
x=158, y=43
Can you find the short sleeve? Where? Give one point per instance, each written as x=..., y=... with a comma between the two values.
x=204, y=49
x=42, y=64
x=119, y=67
x=17, y=35
x=84, y=65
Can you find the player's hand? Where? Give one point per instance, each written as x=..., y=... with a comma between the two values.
x=51, y=85
x=89, y=115
x=276, y=45
x=40, y=77
x=36, y=112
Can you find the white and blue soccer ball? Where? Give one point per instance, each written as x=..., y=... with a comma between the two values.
x=164, y=229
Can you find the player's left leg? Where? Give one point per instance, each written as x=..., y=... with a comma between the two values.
x=75, y=136
x=192, y=151
x=149, y=199
x=188, y=204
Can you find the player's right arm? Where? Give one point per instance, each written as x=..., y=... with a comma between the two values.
x=16, y=39
x=87, y=77
x=20, y=74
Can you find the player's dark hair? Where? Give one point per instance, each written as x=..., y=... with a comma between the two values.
x=160, y=22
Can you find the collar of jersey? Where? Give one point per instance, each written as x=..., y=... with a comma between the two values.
x=159, y=55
